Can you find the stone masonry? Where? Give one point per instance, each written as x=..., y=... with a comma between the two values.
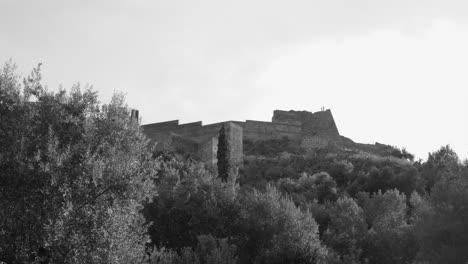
x=314, y=130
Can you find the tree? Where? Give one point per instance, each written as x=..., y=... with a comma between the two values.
x=320, y=186
x=191, y=201
x=222, y=155
x=442, y=223
x=274, y=230
x=347, y=229
x=384, y=210
x=73, y=174
x=440, y=164
x=390, y=239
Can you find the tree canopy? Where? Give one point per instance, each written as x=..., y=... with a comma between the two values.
x=73, y=175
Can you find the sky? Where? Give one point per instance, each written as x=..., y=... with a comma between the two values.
x=394, y=72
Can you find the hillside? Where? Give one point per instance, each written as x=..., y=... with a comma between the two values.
x=345, y=161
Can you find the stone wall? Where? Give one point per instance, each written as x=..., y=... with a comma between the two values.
x=321, y=124
x=291, y=124
x=292, y=131
x=288, y=117
x=260, y=130
x=160, y=127
x=185, y=145
x=202, y=141
x=235, y=138
x=207, y=151
x=257, y=130
x=313, y=130
x=188, y=128
x=310, y=143
x=163, y=141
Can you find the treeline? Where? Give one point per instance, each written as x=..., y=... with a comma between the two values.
x=80, y=184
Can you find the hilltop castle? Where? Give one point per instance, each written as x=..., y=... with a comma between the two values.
x=313, y=130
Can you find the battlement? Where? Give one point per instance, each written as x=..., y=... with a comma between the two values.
x=295, y=125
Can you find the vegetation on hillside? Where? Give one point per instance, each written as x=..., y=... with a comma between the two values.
x=80, y=184
x=222, y=155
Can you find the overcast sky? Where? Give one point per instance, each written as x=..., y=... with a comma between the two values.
x=394, y=72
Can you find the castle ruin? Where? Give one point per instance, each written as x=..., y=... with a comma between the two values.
x=313, y=130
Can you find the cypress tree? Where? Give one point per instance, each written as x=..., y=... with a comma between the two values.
x=223, y=155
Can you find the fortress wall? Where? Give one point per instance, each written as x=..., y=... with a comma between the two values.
x=291, y=136
x=288, y=130
x=235, y=138
x=208, y=148
x=184, y=145
x=320, y=123
x=211, y=129
x=315, y=130
x=188, y=128
x=287, y=117
x=252, y=130
x=201, y=138
x=310, y=143
x=207, y=151
x=196, y=130
x=163, y=140
x=258, y=130
x=160, y=127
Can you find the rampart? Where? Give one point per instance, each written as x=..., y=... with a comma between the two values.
x=313, y=129
x=200, y=141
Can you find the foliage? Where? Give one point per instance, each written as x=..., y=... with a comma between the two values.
x=263, y=226
x=72, y=175
x=191, y=202
x=347, y=229
x=390, y=239
x=442, y=225
x=222, y=155
x=209, y=250
x=307, y=188
x=402, y=154
x=398, y=245
x=214, y=251
x=274, y=230
x=271, y=147
x=351, y=173
x=384, y=210
x=441, y=164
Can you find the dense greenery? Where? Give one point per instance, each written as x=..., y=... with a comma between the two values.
x=73, y=174
x=222, y=155
x=80, y=184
